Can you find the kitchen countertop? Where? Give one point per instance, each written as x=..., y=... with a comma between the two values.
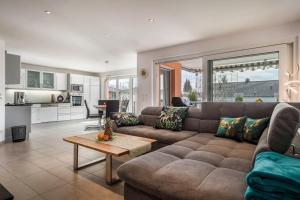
x=11, y=104
x=30, y=104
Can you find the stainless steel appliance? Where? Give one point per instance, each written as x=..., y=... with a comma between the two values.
x=19, y=98
x=77, y=88
x=76, y=99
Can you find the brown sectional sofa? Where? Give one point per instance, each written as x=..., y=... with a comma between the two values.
x=193, y=163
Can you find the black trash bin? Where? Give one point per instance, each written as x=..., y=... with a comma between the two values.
x=18, y=133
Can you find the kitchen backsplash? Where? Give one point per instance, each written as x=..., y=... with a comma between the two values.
x=32, y=96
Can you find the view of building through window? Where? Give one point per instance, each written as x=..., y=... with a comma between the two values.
x=249, y=79
x=191, y=84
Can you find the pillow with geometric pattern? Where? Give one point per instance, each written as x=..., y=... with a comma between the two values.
x=231, y=128
x=125, y=119
x=254, y=128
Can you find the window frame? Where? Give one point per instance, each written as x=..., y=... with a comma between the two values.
x=285, y=65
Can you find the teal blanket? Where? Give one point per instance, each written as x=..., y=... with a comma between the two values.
x=274, y=176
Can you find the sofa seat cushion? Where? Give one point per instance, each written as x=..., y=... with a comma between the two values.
x=202, y=167
x=161, y=135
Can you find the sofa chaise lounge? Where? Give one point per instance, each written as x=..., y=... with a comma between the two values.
x=194, y=164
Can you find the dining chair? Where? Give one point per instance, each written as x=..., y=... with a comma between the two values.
x=92, y=116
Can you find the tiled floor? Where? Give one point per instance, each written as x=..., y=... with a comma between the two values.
x=41, y=168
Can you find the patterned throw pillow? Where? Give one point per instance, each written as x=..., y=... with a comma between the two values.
x=171, y=118
x=231, y=128
x=253, y=129
x=126, y=119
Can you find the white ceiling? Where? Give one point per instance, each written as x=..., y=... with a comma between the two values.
x=82, y=34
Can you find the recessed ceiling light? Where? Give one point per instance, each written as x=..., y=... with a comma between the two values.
x=48, y=12
x=151, y=19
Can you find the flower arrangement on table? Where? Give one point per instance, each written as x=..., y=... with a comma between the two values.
x=108, y=134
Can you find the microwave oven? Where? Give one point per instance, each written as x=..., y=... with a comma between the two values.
x=77, y=88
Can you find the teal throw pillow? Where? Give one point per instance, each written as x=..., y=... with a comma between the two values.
x=254, y=128
x=231, y=128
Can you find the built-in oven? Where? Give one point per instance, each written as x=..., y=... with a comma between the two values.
x=76, y=100
x=77, y=88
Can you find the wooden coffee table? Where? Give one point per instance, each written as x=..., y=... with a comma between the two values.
x=109, y=150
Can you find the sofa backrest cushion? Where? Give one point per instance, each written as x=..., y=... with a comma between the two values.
x=206, y=118
x=284, y=124
x=211, y=112
x=149, y=115
x=192, y=121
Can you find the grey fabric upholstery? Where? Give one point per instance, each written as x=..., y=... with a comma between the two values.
x=197, y=165
x=162, y=135
x=283, y=127
x=195, y=168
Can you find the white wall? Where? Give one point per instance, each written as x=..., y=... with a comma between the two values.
x=2, y=90
x=252, y=38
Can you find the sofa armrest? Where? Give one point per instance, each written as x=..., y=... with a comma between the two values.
x=262, y=145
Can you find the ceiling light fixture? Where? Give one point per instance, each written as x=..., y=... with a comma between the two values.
x=48, y=12
x=151, y=20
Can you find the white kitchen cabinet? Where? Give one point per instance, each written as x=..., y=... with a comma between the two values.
x=86, y=89
x=22, y=81
x=92, y=92
x=64, y=111
x=48, y=114
x=94, y=97
x=77, y=112
x=35, y=113
x=48, y=80
x=61, y=81
x=76, y=79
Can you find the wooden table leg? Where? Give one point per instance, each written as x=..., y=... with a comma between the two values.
x=75, y=161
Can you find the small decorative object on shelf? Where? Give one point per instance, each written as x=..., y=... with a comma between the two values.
x=108, y=132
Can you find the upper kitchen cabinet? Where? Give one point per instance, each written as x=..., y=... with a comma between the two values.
x=61, y=81
x=12, y=69
x=22, y=81
x=76, y=79
x=48, y=80
x=33, y=79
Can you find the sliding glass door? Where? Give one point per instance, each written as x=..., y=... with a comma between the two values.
x=123, y=88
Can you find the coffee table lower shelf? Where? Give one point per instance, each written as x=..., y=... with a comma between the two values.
x=110, y=177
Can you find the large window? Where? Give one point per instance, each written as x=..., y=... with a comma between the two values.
x=112, y=89
x=249, y=78
x=123, y=88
